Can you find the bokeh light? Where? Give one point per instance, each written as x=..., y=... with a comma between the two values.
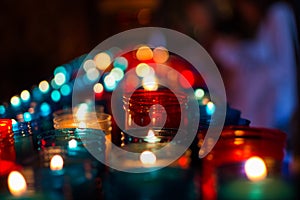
x=92, y=75
x=102, y=60
x=27, y=117
x=98, y=88
x=144, y=53
x=110, y=83
x=25, y=95
x=55, y=95
x=2, y=109
x=120, y=62
x=65, y=90
x=150, y=83
x=45, y=109
x=160, y=54
x=60, y=78
x=199, y=93
x=210, y=108
x=44, y=86
x=117, y=73
x=15, y=101
x=89, y=64
x=143, y=70
x=148, y=157
x=255, y=169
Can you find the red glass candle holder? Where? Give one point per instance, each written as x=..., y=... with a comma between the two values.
x=7, y=148
x=237, y=144
x=141, y=108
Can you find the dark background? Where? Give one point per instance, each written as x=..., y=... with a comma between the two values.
x=36, y=36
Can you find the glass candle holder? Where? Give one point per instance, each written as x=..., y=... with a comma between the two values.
x=66, y=119
x=7, y=148
x=142, y=109
x=80, y=170
x=235, y=146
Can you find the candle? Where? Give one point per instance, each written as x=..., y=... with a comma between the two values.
x=16, y=184
x=56, y=163
x=236, y=145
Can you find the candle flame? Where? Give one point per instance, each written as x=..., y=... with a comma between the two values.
x=56, y=163
x=255, y=169
x=16, y=183
x=148, y=157
x=151, y=138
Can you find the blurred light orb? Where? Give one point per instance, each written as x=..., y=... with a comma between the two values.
x=98, y=88
x=150, y=83
x=160, y=54
x=120, y=62
x=93, y=74
x=27, y=117
x=15, y=101
x=2, y=110
x=255, y=169
x=210, y=108
x=55, y=95
x=89, y=64
x=117, y=73
x=110, y=82
x=45, y=109
x=102, y=60
x=60, y=78
x=65, y=90
x=25, y=95
x=199, y=93
x=143, y=70
x=148, y=157
x=144, y=53
x=44, y=86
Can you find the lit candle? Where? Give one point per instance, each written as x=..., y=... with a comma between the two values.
x=16, y=184
x=56, y=163
x=151, y=138
x=255, y=169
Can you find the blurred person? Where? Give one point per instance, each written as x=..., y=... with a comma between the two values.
x=259, y=63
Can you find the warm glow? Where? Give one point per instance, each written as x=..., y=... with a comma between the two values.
x=56, y=163
x=16, y=183
x=148, y=157
x=151, y=138
x=143, y=70
x=144, y=53
x=15, y=101
x=160, y=55
x=60, y=78
x=102, y=60
x=25, y=95
x=149, y=83
x=44, y=86
x=255, y=169
x=98, y=88
x=89, y=64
